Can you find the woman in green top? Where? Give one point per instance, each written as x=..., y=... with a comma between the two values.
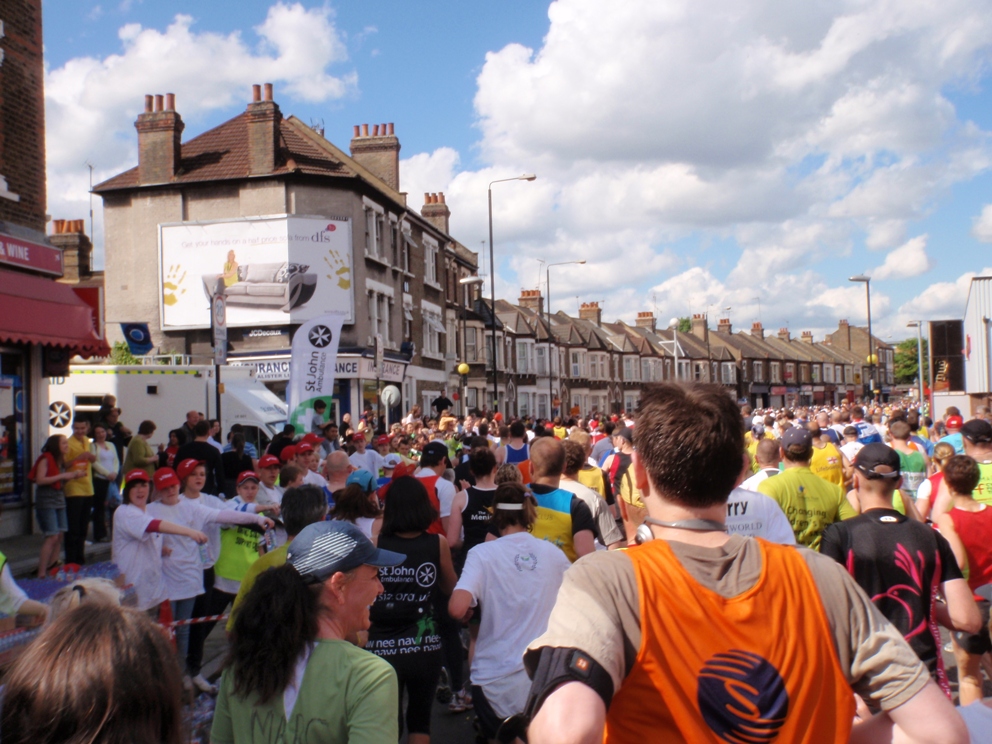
x=140, y=455
x=293, y=672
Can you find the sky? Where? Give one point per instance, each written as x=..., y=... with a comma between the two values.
x=738, y=158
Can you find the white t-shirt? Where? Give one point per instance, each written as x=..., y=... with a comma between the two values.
x=268, y=496
x=370, y=460
x=516, y=579
x=11, y=595
x=851, y=450
x=138, y=554
x=756, y=515
x=183, y=568
x=445, y=491
x=978, y=718
x=751, y=484
x=314, y=479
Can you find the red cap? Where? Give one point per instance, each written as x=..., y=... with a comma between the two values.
x=165, y=477
x=383, y=439
x=288, y=453
x=357, y=435
x=304, y=447
x=498, y=417
x=267, y=461
x=186, y=467
x=248, y=475
x=312, y=438
x=954, y=422
x=136, y=475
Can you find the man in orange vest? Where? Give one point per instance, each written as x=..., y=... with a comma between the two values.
x=696, y=635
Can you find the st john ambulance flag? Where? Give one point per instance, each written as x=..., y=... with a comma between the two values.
x=311, y=368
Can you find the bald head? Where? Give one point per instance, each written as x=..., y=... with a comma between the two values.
x=767, y=453
x=338, y=462
x=547, y=460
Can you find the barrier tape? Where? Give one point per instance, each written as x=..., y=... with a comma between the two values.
x=192, y=621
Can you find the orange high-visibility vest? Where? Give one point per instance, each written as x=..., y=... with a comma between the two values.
x=758, y=667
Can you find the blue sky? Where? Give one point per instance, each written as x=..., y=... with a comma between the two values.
x=696, y=157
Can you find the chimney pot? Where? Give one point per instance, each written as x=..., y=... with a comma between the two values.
x=375, y=130
x=365, y=130
x=268, y=92
x=440, y=197
x=427, y=198
x=170, y=101
x=148, y=104
x=357, y=132
x=382, y=130
x=392, y=132
x=256, y=93
x=158, y=102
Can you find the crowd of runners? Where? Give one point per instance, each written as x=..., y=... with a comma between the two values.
x=692, y=571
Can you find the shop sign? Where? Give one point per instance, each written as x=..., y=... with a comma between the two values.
x=27, y=255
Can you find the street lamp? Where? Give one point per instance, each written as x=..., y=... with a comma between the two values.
x=918, y=325
x=551, y=370
x=466, y=282
x=871, y=353
x=673, y=324
x=492, y=275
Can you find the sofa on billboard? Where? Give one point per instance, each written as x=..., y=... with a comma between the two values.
x=283, y=285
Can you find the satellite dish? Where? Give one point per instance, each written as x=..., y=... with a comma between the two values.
x=390, y=396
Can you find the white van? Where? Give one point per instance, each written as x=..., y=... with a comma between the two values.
x=163, y=394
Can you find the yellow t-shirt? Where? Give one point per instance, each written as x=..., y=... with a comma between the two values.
x=593, y=478
x=827, y=464
x=78, y=486
x=270, y=560
x=983, y=491
x=809, y=502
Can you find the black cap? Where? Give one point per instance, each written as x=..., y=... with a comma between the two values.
x=977, y=431
x=626, y=433
x=433, y=453
x=876, y=455
x=797, y=435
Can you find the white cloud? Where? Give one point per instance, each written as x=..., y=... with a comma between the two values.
x=91, y=103
x=982, y=227
x=906, y=261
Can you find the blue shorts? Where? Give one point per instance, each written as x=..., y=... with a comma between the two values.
x=51, y=521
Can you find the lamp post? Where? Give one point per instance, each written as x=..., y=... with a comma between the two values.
x=673, y=324
x=918, y=325
x=551, y=371
x=492, y=277
x=466, y=282
x=861, y=278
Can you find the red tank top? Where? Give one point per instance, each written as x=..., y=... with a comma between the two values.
x=975, y=531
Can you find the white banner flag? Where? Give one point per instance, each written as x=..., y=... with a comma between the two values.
x=311, y=368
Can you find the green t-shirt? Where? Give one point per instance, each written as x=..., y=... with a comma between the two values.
x=809, y=502
x=348, y=696
x=914, y=471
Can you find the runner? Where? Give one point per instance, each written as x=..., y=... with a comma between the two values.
x=827, y=461
x=900, y=563
x=607, y=533
x=768, y=457
x=562, y=518
x=929, y=489
x=744, y=618
x=628, y=495
x=867, y=433
x=471, y=510
x=913, y=463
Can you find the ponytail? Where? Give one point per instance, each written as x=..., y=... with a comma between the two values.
x=262, y=661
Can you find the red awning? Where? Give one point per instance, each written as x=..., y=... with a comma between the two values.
x=36, y=310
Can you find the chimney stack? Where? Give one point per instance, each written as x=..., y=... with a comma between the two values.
x=646, y=320
x=783, y=333
x=724, y=326
x=263, y=118
x=531, y=299
x=160, y=131
x=807, y=337
x=591, y=311
x=436, y=211
x=757, y=330
x=378, y=153
x=700, y=327
x=77, y=250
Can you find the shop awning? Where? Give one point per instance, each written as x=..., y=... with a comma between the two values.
x=36, y=310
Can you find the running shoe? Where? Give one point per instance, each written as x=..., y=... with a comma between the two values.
x=443, y=694
x=460, y=703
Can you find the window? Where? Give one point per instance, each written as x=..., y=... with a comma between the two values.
x=405, y=247
x=668, y=369
x=815, y=372
x=629, y=374
x=407, y=318
x=395, y=241
x=838, y=373
x=576, y=364
x=375, y=220
x=523, y=409
x=542, y=360
x=542, y=405
x=828, y=373
x=385, y=319
x=848, y=373
x=776, y=375
x=728, y=371
x=471, y=345
x=373, y=314
x=685, y=369
x=646, y=368
x=602, y=366
x=430, y=262
x=759, y=372
x=523, y=358
x=790, y=372
x=433, y=329
x=471, y=398
x=699, y=371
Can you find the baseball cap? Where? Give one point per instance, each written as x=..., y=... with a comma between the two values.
x=357, y=435
x=248, y=475
x=876, y=455
x=363, y=478
x=186, y=467
x=136, y=475
x=322, y=549
x=382, y=439
x=304, y=447
x=392, y=460
x=626, y=433
x=797, y=435
x=311, y=438
x=954, y=422
x=269, y=461
x=288, y=453
x=433, y=453
x=977, y=431
x=165, y=477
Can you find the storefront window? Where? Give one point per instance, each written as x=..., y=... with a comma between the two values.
x=11, y=426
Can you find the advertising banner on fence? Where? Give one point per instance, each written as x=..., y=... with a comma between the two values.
x=311, y=369
x=272, y=270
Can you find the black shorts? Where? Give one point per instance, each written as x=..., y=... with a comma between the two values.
x=978, y=643
x=489, y=721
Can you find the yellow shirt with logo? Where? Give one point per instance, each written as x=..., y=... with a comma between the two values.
x=827, y=464
x=983, y=491
x=809, y=502
x=78, y=486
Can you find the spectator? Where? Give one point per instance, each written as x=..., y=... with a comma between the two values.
x=48, y=474
x=140, y=454
x=78, y=492
x=201, y=450
x=106, y=468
